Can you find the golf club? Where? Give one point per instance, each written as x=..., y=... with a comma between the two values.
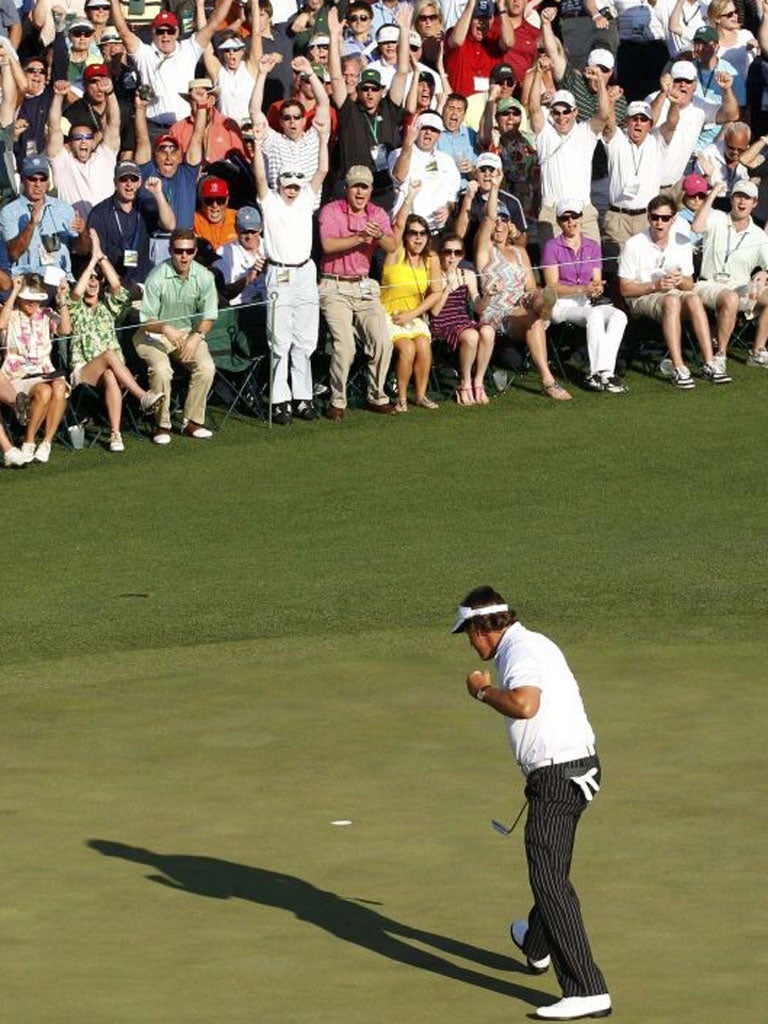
x=502, y=829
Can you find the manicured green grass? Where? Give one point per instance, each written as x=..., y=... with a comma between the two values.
x=212, y=652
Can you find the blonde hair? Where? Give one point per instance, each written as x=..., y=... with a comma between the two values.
x=424, y=5
x=716, y=10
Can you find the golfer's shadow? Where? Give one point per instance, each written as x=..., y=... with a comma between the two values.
x=347, y=919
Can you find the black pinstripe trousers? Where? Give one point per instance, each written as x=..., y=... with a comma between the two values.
x=555, y=925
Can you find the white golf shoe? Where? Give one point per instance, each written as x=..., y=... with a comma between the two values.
x=518, y=931
x=576, y=1007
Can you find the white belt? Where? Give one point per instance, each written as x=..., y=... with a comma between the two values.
x=567, y=755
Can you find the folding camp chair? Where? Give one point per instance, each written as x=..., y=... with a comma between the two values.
x=239, y=355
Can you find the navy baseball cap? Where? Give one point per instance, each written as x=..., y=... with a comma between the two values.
x=483, y=9
x=36, y=164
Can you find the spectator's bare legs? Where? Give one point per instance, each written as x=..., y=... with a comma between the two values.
x=726, y=313
x=421, y=366
x=55, y=410
x=406, y=354
x=468, y=346
x=761, y=332
x=39, y=399
x=693, y=310
x=484, y=353
x=110, y=371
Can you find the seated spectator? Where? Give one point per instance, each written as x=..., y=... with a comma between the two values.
x=419, y=160
x=694, y=192
x=82, y=50
x=733, y=247
x=451, y=322
x=166, y=63
x=475, y=203
x=233, y=74
x=291, y=275
x=410, y=286
x=656, y=279
x=474, y=45
x=351, y=230
x=27, y=324
x=177, y=312
x=573, y=268
x=91, y=110
x=457, y=140
x=84, y=166
x=125, y=222
x=721, y=162
x=37, y=228
x=241, y=263
x=214, y=220
x=511, y=302
x=95, y=355
x=565, y=150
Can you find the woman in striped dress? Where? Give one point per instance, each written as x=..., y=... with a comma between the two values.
x=452, y=323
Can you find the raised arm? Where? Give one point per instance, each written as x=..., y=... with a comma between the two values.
x=403, y=213
x=8, y=105
x=143, y=152
x=535, y=111
x=668, y=129
x=462, y=218
x=260, y=128
x=507, y=28
x=266, y=63
x=402, y=165
x=197, y=139
x=729, y=106
x=603, y=112
x=323, y=129
x=82, y=282
x=458, y=33
x=485, y=231
x=700, y=221
x=488, y=120
x=131, y=40
x=403, y=19
x=302, y=66
x=111, y=137
x=218, y=16
x=551, y=43
x=676, y=18
x=55, y=142
x=165, y=211
x=335, y=33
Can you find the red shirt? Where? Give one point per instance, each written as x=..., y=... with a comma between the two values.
x=523, y=53
x=473, y=60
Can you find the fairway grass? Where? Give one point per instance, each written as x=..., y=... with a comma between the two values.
x=213, y=652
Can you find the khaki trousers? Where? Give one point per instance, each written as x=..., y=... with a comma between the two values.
x=347, y=305
x=159, y=355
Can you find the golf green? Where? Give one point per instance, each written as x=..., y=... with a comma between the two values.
x=213, y=652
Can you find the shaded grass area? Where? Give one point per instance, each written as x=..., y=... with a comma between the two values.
x=211, y=653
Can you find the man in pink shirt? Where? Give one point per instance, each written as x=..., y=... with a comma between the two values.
x=351, y=229
x=222, y=134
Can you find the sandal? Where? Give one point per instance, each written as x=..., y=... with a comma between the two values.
x=480, y=395
x=554, y=390
x=465, y=395
x=401, y=405
x=426, y=403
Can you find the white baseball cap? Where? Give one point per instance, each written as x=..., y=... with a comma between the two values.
x=489, y=160
x=388, y=34
x=429, y=119
x=568, y=204
x=683, y=69
x=746, y=188
x=563, y=98
x=639, y=107
x=601, y=57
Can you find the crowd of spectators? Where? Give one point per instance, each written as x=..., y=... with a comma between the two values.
x=390, y=176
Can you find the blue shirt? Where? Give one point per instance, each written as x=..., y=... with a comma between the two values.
x=56, y=220
x=462, y=143
x=710, y=92
x=180, y=191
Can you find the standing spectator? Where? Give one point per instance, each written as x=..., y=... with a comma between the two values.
x=92, y=109
x=273, y=39
x=573, y=268
x=722, y=160
x=709, y=67
x=385, y=55
x=681, y=20
x=474, y=45
x=584, y=27
x=233, y=75
x=351, y=230
x=291, y=274
x=642, y=50
x=32, y=115
x=221, y=135
x=37, y=228
x=428, y=22
x=177, y=312
x=165, y=63
x=164, y=160
x=95, y=356
x=358, y=37
x=83, y=166
x=122, y=68
x=737, y=45
x=27, y=324
x=521, y=52
x=126, y=220
x=420, y=160
x=457, y=139
x=82, y=51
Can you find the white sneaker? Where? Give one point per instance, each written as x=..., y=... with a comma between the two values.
x=14, y=458
x=719, y=361
x=43, y=452
x=116, y=442
x=162, y=436
x=681, y=378
x=518, y=931
x=28, y=450
x=759, y=358
x=576, y=1007
x=151, y=401
x=714, y=375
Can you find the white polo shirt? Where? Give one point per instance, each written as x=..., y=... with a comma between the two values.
x=634, y=172
x=566, y=162
x=234, y=262
x=732, y=252
x=288, y=226
x=643, y=261
x=168, y=77
x=560, y=726
x=692, y=119
x=439, y=177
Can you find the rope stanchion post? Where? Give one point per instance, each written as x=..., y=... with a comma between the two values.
x=271, y=343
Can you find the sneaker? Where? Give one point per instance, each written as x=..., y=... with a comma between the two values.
x=14, y=458
x=151, y=400
x=43, y=452
x=681, y=378
x=116, y=441
x=518, y=930
x=594, y=382
x=758, y=358
x=711, y=373
x=281, y=414
x=21, y=408
x=28, y=450
x=719, y=361
x=304, y=410
x=613, y=385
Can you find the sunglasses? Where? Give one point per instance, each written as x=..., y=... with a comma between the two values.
x=427, y=17
x=452, y=252
x=415, y=49
x=38, y=178
x=294, y=175
x=682, y=81
x=214, y=201
x=698, y=195
x=35, y=71
x=249, y=231
x=99, y=7
x=561, y=111
x=130, y=177
x=320, y=46
x=183, y=252
x=507, y=81
x=569, y=216
x=165, y=31
x=360, y=17
x=80, y=33
x=80, y=137
x=663, y=217
x=291, y=117
x=417, y=234
x=603, y=68
x=167, y=148
x=370, y=88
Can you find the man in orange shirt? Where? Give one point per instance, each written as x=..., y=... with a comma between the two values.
x=214, y=221
x=221, y=134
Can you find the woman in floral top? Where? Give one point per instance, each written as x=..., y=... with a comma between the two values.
x=95, y=355
x=27, y=323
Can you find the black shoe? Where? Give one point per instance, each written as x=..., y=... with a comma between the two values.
x=615, y=386
x=594, y=383
x=304, y=410
x=281, y=414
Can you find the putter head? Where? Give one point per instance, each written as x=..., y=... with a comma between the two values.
x=498, y=827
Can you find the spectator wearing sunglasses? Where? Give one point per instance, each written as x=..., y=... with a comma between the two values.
x=656, y=280
x=307, y=23
x=233, y=74
x=83, y=166
x=32, y=114
x=358, y=35
x=126, y=220
x=82, y=51
x=729, y=161
x=241, y=263
x=166, y=62
x=178, y=310
x=98, y=13
x=92, y=108
x=304, y=92
x=428, y=22
x=214, y=220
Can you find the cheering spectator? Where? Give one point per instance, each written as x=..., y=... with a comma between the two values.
x=92, y=109
x=474, y=46
x=475, y=203
x=428, y=22
x=521, y=51
x=214, y=220
x=242, y=261
x=358, y=37
x=420, y=160
x=178, y=176
x=457, y=140
x=122, y=68
x=221, y=135
x=233, y=75
x=32, y=115
x=737, y=45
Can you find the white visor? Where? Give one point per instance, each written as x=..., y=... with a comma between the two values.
x=464, y=614
x=32, y=294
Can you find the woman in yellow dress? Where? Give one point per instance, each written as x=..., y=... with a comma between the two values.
x=410, y=286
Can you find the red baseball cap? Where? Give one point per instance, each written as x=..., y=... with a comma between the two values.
x=95, y=71
x=165, y=19
x=166, y=140
x=214, y=187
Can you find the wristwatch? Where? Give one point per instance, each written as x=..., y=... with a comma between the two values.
x=480, y=694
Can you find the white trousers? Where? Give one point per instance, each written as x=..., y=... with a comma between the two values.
x=295, y=328
x=605, y=328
